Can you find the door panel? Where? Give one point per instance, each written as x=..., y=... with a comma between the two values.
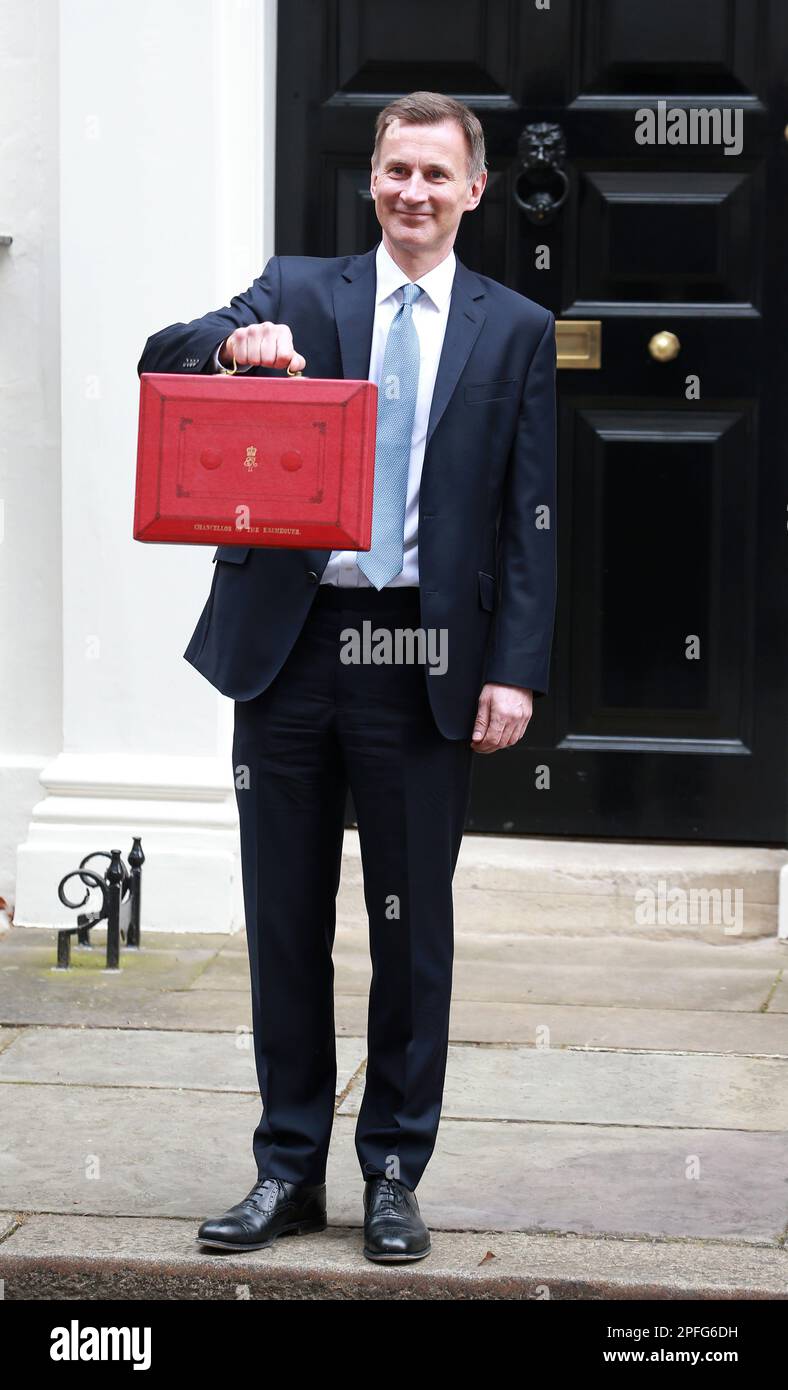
x=630, y=48
x=670, y=509
x=662, y=237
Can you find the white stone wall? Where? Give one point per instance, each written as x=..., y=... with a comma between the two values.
x=159, y=116
x=30, y=554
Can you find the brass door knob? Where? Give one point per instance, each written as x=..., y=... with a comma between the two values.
x=664, y=346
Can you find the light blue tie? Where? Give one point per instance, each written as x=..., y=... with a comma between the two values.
x=399, y=383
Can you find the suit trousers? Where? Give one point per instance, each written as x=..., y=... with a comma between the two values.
x=325, y=724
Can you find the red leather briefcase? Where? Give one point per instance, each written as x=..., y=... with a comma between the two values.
x=261, y=461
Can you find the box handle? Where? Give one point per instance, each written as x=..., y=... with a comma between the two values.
x=230, y=371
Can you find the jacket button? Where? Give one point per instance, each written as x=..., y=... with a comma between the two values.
x=312, y=577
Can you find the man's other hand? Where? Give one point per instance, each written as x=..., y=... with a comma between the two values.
x=502, y=717
x=262, y=345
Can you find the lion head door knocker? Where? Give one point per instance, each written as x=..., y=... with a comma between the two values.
x=541, y=152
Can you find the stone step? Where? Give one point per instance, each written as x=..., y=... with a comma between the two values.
x=93, y=1258
x=537, y=886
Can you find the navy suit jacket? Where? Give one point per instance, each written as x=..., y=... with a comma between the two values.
x=487, y=560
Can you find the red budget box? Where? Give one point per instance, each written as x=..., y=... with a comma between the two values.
x=261, y=461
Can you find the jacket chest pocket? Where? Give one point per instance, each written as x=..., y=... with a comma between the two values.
x=481, y=391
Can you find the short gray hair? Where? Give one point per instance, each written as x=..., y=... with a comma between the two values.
x=432, y=108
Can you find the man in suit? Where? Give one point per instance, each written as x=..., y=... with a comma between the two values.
x=463, y=549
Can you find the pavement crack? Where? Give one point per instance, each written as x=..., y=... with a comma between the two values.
x=767, y=1001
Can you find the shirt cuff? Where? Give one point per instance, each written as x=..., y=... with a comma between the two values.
x=217, y=366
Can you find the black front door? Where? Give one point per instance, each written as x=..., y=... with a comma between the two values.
x=659, y=131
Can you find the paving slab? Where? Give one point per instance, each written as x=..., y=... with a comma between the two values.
x=617, y=1180
x=164, y=1153
x=506, y=978
x=175, y=958
x=733, y=954
x=120, y=1258
x=124, y=1151
x=609, y=1088
x=604, y=909
x=569, y=1025
x=132, y=1057
x=221, y=1011
x=716, y=989
x=485, y=1021
x=125, y=1003
x=153, y=989
x=33, y=990
x=508, y=1083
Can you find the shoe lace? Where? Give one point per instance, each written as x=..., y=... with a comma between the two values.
x=263, y=1195
x=390, y=1196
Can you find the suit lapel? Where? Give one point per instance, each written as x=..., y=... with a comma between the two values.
x=465, y=321
x=354, y=311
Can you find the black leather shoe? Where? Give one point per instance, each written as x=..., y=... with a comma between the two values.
x=393, y=1228
x=272, y=1208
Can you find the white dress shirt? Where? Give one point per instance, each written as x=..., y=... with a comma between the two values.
x=430, y=315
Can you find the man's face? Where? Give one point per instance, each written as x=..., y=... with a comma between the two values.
x=421, y=185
